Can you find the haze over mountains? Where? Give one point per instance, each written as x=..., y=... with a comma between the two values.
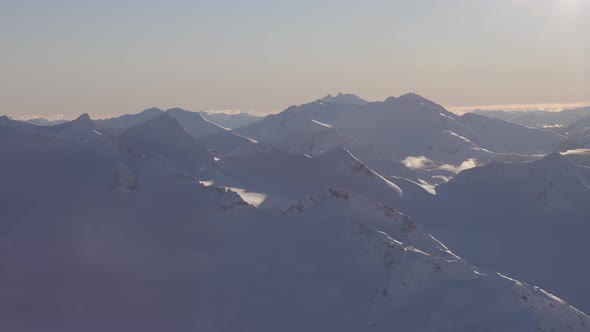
x=335, y=215
x=541, y=119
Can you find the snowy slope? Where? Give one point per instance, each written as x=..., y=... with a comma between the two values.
x=275, y=127
x=314, y=144
x=415, y=126
x=164, y=136
x=501, y=136
x=285, y=177
x=194, y=123
x=133, y=244
x=197, y=258
x=529, y=220
x=398, y=128
x=225, y=142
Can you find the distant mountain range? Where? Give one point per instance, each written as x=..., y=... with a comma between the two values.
x=231, y=121
x=540, y=119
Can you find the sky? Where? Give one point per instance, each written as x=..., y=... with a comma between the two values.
x=62, y=58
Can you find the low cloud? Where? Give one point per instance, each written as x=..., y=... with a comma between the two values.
x=53, y=117
x=467, y=164
x=421, y=162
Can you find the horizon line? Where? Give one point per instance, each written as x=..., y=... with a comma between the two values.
x=548, y=107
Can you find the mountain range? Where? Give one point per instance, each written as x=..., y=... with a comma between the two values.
x=335, y=215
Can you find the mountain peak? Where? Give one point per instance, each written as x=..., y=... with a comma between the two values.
x=194, y=122
x=130, y=120
x=415, y=99
x=165, y=136
x=84, y=117
x=160, y=126
x=339, y=153
x=412, y=97
x=345, y=99
x=152, y=110
x=181, y=114
x=83, y=122
x=176, y=110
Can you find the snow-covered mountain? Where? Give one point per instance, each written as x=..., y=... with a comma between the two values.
x=128, y=120
x=275, y=127
x=231, y=121
x=167, y=221
x=547, y=119
x=82, y=129
x=505, y=137
x=409, y=126
x=377, y=264
x=556, y=120
x=284, y=177
x=529, y=220
x=131, y=243
x=164, y=136
x=194, y=123
x=316, y=143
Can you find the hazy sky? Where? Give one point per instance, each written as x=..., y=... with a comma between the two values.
x=109, y=57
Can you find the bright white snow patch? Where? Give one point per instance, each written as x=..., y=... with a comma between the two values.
x=389, y=183
x=322, y=124
x=217, y=124
x=246, y=137
x=508, y=278
x=253, y=198
x=464, y=139
x=446, y=116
